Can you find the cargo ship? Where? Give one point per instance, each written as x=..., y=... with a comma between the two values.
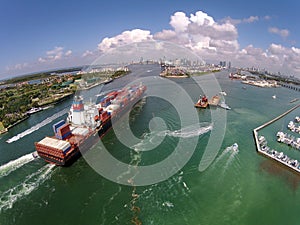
x=86, y=124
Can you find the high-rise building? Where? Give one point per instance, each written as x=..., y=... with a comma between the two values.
x=222, y=64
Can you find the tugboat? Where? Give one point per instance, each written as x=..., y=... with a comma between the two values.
x=202, y=102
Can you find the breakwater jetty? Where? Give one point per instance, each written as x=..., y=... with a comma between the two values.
x=262, y=148
x=293, y=87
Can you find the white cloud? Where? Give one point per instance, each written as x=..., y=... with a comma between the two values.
x=68, y=53
x=127, y=37
x=55, y=54
x=41, y=60
x=179, y=21
x=296, y=50
x=210, y=39
x=281, y=32
x=267, y=17
x=213, y=40
x=251, y=19
x=17, y=67
x=250, y=50
x=165, y=35
x=201, y=33
x=275, y=58
x=276, y=49
x=87, y=53
x=55, y=51
x=202, y=19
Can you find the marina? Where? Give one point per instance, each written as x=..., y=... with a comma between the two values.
x=262, y=147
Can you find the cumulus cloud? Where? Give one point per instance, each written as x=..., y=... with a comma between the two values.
x=281, y=32
x=179, y=21
x=55, y=54
x=201, y=33
x=250, y=19
x=68, y=53
x=201, y=19
x=212, y=40
x=275, y=58
x=16, y=67
x=87, y=53
x=127, y=37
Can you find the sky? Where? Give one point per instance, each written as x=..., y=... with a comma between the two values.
x=41, y=35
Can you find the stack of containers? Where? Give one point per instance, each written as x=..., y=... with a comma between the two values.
x=52, y=146
x=57, y=125
x=105, y=101
x=103, y=116
x=63, y=132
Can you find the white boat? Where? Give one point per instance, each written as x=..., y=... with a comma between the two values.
x=34, y=110
x=274, y=96
x=224, y=105
x=235, y=147
x=223, y=93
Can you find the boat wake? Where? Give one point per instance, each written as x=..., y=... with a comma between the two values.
x=151, y=197
x=232, y=151
x=37, y=126
x=15, y=164
x=191, y=131
x=229, y=160
x=153, y=139
x=31, y=183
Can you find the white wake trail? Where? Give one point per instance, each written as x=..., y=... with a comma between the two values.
x=153, y=139
x=31, y=183
x=37, y=126
x=229, y=161
x=223, y=154
x=191, y=131
x=15, y=164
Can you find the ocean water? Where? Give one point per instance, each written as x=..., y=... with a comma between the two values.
x=236, y=188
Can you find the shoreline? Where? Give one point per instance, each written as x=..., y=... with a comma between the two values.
x=17, y=122
x=26, y=116
x=174, y=76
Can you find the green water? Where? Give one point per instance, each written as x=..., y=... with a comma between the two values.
x=242, y=188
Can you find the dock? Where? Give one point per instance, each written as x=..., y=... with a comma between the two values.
x=271, y=156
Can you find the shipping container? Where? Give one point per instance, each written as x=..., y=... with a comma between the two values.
x=57, y=125
x=64, y=129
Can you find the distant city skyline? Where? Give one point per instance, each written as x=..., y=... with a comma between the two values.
x=43, y=35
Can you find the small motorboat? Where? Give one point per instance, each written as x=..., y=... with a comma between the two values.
x=235, y=147
x=223, y=93
x=224, y=105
